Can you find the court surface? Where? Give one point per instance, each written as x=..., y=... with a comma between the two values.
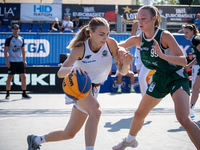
x=47, y=112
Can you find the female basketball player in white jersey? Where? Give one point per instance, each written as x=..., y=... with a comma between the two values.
x=91, y=52
x=160, y=51
x=142, y=71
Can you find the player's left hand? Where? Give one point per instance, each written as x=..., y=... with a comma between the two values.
x=127, y=58
x=121, y=52
x=156, y=47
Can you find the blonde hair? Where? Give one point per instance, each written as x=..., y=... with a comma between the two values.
x=193, y=28
x=154, y=12
x=84, y=34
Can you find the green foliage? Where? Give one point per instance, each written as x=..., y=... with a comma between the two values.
x=166, y=2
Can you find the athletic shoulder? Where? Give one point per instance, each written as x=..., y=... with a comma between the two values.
x=166, y=35
x=111, y=42
x=9, y=38
x=196, y=41
x=78, y=52
x=7, y=43
x=21, y=37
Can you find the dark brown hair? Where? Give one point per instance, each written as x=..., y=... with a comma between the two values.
x=193, y=28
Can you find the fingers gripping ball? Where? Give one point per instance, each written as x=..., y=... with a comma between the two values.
x=77, y=86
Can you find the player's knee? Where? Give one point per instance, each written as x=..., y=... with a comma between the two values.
x=23, y=76
x=195, y=87
x=184, y=121
x=138, y=115
x=9, y=78
x=95, y=113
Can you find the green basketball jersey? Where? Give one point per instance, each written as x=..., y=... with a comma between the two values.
x=149, y=57
x=195, y=51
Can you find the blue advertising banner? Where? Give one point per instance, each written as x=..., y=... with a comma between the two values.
x=13, y=10
x=45, y=49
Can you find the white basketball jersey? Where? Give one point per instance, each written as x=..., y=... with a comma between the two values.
x=138, y=30
x=137, y=50
x=97, y=65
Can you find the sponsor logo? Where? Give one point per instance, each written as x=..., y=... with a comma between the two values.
x=9, y=10
x=89, y=61
x=88, y=12
x=180, y=15
x=88, y=56
x=31, y=79
x=160, y=11
x=42, y=10
x=104, y=53
x=129, y=15
x=144, y=48
x=70, y=79
x=67, y=11
x=33, y=47
x=153, y=84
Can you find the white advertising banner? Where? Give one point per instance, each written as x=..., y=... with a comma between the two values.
x=40, y=12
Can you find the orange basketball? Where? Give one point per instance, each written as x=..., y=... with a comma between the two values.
x=77, y=86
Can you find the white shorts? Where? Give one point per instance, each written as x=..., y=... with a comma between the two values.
x=138, y=62
x=94, y=92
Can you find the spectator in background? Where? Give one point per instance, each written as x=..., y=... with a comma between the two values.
x=5, y=20
x=181, y=30
x=130, y=74
x=77, y=23
x=190, y=58
x=56, y=26
x=16, y=60
x=197, y=21
x=67, y=25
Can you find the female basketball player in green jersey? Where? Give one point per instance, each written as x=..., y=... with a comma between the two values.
x=160, y=51
x=191, y=33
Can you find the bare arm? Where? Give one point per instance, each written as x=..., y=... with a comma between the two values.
x=24, y=56
x=194, y=61
x=6, y=56
x=198, y=47
x=52, y=27
x=132, y=41
x=169, y=41
x=123, y=67
x=75, y=54
x=133, y=31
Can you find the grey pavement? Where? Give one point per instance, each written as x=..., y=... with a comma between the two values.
x=47, y=112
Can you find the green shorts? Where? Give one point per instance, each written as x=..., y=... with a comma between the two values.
x=198, y=73
x=165, y=83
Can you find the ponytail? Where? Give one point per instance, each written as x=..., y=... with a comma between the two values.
x=80, y=38
x=193, y=28
x=158, y=18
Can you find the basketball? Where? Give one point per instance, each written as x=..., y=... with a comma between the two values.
x=77, y=86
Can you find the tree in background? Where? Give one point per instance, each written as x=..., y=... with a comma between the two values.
x=165, y=2
x=176, y=2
